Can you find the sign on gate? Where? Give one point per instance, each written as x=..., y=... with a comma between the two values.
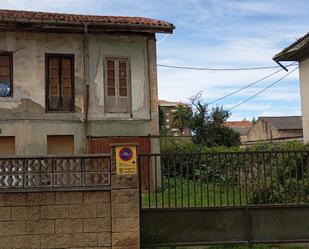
x=126, y=160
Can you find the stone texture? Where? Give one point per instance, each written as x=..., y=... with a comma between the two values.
x=40, y=227
x=125, y=239
x=54, y=212
x=45, y=198
x=125, y=196
x=69, y=226
x=26, y=242
x=125, y=210
x=83, y=211
x=12, y=200
x=26, y=213
x=5, y=242
x=125, y=224
x=104, y=239
x=124, y=182
x=55, y=241
x=83, y=239
x=69, y=198
x=12, y=228
x=103, y=210
x=5, y=213
x=97, y=197
x=97, y=225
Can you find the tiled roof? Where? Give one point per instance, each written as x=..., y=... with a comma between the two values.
x=285, y=122
x=46, y=17
x=169, y=103
x=297, y=43
x=238, y=124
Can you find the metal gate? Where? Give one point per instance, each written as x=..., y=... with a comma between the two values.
x=225, y=198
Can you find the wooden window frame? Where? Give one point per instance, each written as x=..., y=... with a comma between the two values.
x=10, y=54
x=47, y=57
x=129, y=86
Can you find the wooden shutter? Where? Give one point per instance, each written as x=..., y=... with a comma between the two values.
x=66, y=71
x=53, y=84
x=7, y=145
x=60, y=83
x=110, y=93
x=60, y=144
x=6, y=72
x=123, y=91
x=117, y=93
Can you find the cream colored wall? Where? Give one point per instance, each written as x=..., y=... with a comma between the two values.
x=135, y=49
x=304, y=90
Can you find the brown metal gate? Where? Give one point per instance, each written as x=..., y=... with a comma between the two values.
x=102, y=145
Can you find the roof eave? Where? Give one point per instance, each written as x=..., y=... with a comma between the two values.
x=98, y=25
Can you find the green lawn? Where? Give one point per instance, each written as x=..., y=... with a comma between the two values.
x=180, y=192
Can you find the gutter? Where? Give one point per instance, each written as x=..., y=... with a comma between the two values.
x=116, y=26
x=86, y=81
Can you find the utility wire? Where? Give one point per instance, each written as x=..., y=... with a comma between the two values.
x=269, y=86
x=217, y=69
x=249, y=85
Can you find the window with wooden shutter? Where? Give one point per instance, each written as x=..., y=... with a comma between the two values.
x=117, y=86
x=6, y=74
x=60, y=83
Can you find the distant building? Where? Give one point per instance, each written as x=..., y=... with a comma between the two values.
x=299, y=51
x=242, y=127
x=169, y=108
x=276, y=128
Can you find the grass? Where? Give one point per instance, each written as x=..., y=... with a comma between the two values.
x=180, y=192
x=243, y=247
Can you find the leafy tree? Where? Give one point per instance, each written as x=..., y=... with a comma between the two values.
x=182, y=117
x=207, y=125
x=253, y=121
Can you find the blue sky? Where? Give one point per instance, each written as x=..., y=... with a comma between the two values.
x=212, y=33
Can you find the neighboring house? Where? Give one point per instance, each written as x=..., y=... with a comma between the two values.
x=169, y=108
x=77, y=83
x=299, y=51
x=276, y=128
x=242, y=127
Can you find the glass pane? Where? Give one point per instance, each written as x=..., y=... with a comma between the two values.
x=122, y=74
x=111, y=91
x=53, y=72
x=66, y=63
x=110, y=64
x=4, y=71
x=4, y=79
x=66, y=91
x=111, y=74
x=122, y=83
x=123, y=92
x=53, y=91
x=111, y=82
x=53, y=63
x=122, y=65
x=66, y=82
x=4, y=60
x=66, y=73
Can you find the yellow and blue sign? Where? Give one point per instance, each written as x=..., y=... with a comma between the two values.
x=126, y=160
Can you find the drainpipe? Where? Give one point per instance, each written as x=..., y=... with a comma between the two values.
x=86, y=81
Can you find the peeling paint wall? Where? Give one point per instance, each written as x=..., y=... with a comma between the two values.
x=24, y=115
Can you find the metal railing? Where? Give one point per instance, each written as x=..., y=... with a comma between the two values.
x=54, y=173
x=224, y=179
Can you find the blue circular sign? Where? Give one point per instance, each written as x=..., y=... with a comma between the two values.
x=126, y=154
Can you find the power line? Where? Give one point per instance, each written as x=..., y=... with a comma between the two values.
x=249, y=85
x=217, y=69
x=269, y=86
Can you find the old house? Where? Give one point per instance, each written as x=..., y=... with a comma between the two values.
x=77, y=83
x=276, y=128
x=168, y=109
x=242, y=127
x=299, y=51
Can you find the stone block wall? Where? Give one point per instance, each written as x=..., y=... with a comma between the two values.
x=86, y=219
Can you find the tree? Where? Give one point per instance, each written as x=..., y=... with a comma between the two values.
x=182, y=117
x=208, y=125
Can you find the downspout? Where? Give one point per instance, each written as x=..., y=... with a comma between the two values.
x=86, y=81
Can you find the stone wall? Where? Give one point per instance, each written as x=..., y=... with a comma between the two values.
x=89, y=219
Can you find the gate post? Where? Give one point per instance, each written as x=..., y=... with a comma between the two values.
x=125, y=218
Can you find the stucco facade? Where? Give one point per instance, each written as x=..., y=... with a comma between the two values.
x=304, y=91
x=24, y=114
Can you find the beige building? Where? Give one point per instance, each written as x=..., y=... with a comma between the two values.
x=299, y=51
x=242, y=127
x=276, y=128
x=77, y=83
x=169, y=108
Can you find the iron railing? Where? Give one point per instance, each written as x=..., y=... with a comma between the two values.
x=56, y=173
x=224, y=179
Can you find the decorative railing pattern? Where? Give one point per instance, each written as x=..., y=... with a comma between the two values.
x=65, y=173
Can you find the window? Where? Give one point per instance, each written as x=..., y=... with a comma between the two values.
x=117, y=85
x=7, y=145
x=59, y=83
x=6, y=74
x=60, y=144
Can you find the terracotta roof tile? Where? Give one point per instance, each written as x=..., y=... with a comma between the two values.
x=237, y=124
x=13, y=15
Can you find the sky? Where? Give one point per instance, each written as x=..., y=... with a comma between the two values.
x=212, y=34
